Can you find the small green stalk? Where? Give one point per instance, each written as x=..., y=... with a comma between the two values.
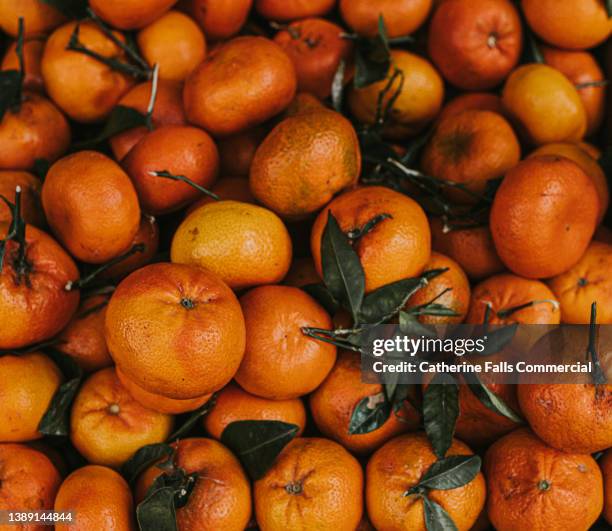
x=181, y=178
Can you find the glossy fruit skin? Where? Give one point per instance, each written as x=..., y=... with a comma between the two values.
x=457, y=299
x=226, y=189
x=83, y=338
x=78, y=193
x=168, y=110
x=38, y=130
x=29, y=481
x=108, y=437
x=506, y=291
x=29, y=383
x=316, y=48
x=396, y=248
x=471, y=247
x=30, y=196
x=220, y=19
x=581, y=67
x=303, y=162
x=559, y=489
x=180, y=150
x=130, y=14
x=330, y=485
x=246, y=245
x=544, y=105
x=36, y=306
x=284, y=10
x=472, y=101
x=233, y=404
x=475, y=44
x=38, y=17
x=587, y=282
x=333, y=402
x=414, y=108
x=241, y=84
x=401, y=18
x=534, y=214
x=280, y=362
x=81, y=86
x=175, y=43
x=400, y=464
x=606, y=469
x=574, y=25
x=100, y=498
x=222, y=502
x=32, y=55
x=204, y=336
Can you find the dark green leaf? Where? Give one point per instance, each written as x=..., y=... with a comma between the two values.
x=411, y=326
x=489, y=399
x=436, y=518
x=143, y=459
x=498, y=339
x=258, y=442
x=451, y=472
x=193, y=419
x=609, y=8
x=120, y=119
x=156, y=512
x=598, y=375
x=70, y=8
x=337, y=89
x=440, y=412
x=342, y=270
x=415, y=147
x=322, y=295
x=369, y=414
x=372, y=58
x=10, y=90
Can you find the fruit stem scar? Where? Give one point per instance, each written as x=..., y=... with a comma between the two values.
x=294, y=488
x=187, y=303
x=492, y=40
x=114, y=409
x=582, y=282
x=543, y=485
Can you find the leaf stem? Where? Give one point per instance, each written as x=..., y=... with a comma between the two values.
x=167, y=175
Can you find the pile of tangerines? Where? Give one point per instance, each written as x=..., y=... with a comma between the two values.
x=205, y=203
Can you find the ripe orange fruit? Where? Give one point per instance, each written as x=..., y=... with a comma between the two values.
x=505, y=292
x=575, y=418
x=313, y=484
x=220, y=19
x=130, y=14
x=301, y=273
x=581, y=68
x=544, y=105
x=534, y=486
x=283, y=10
x=226, y=189
x=168, y=110
x=174, y=42
x=240, y=84
x=304, y=103
x=590, y=166
x=32, y=56
x=180, y=150
x=333, y=402
x=221, y=497
x=419, y=97
x=83, y=87
x=233, y=404
x=99, y=497
x=471, y=148
x=304, y=161
x=577, y=24
x=28, y=482
x=280, y=361
x=457, y=298
x=38, y=17
x=471, y=247
x=107, y=425
x=401, y=18
x=587, y=282
x=78, y=193
x=606, y=469
x=83, y=338
x=399, y=465
x=37, y=130
x=396, y=248
x=244, y=244
x=591, y=150
x=475, y=43
x=472, y=101
x=34, y=304
x=536, y=213
x=30, y=196
x=159, y=403
x=29, y=383
x=236, y=152
x=316, y=47
x=203, y=336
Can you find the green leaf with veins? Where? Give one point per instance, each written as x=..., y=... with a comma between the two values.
x=440, y=412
